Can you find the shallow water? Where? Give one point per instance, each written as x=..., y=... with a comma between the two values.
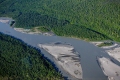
x=87, y=51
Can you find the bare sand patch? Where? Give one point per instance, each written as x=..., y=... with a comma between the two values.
x=96, y=43
x=4, y=21
x=107, y=47
x=66, y=57
x=29, y=31
x=109, y=68
x=115, y=53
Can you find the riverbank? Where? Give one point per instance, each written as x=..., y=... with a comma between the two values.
x=105, y=44
x=8, y=21
x=112, y=50
x=5, y=20
x=109, y=68
x=49, y=33
x=115, y=53
x=96, y=43
x=22, y=30
x=30, y=31
x=111, y=46
x=66, y=57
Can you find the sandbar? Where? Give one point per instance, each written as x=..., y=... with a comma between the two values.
x=65, y=56
x=109, y=68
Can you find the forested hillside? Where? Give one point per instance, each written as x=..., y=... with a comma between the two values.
x=101, y=17
x=18, y=61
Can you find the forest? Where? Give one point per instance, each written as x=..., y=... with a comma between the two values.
x=19, y=61
x=85, y=19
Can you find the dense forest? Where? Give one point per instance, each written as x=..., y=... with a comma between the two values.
x=86, y=19
x=19, y=61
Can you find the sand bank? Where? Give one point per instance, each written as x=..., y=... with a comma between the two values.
x=4, y=21
x=29, y=31
x=115, y=53
x=66, y=57
x=96, y=43
x=107, y=47
x=109, y=68
x=104, y=46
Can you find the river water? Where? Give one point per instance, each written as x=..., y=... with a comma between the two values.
x=87, y=51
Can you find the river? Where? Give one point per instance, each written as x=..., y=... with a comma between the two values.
x=87, y=51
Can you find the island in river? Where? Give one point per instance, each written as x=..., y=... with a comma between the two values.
x=109, y=68
x=66, y=57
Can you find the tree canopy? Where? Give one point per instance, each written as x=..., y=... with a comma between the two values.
x=19, y=61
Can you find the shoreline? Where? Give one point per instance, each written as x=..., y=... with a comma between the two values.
x=110, y=69
x=115, y=53
x=105, y=47
x=29, y=31
x=111, y=46
x=44, y=33
x=6, y=20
